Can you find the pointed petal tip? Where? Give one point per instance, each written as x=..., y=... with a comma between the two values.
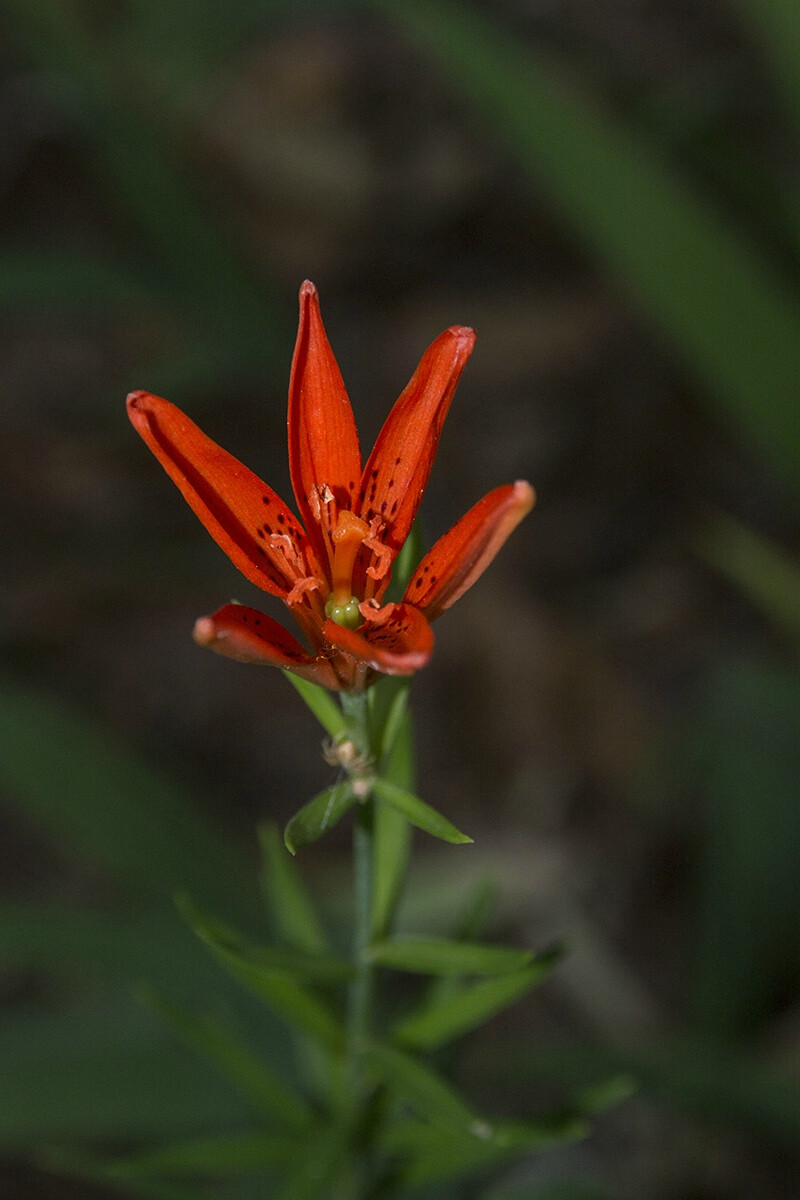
x=307, y=288
x=465, y=337
x=133, y=399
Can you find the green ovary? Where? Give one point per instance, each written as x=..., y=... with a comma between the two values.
x=344, y=614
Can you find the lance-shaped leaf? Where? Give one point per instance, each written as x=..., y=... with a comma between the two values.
x=289, y=903
x=274, y=984
x=269, y=960
x=235, y=1061
x=441, y=956
x=437, y=1023
x=318, y=816
x=408, y=1078
x=418, y=812
x=434, y=1157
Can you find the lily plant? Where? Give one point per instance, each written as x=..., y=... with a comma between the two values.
x=370, y=1113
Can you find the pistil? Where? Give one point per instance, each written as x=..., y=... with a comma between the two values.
x=347, y=537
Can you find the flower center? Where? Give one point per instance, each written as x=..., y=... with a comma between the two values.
x=348, y=536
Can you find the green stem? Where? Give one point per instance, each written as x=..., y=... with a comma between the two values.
x=360, y=998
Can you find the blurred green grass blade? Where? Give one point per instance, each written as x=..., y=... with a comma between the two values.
x=778, y=24
x=442, y=956
x=419, y=813
x=766, y=576
x=419, y=1086
x=99, y=801
x=318, y=816
x=322, y=705
x=436, y=1024
x=70, y=280
x=112, y=948
x=233, y=950
x=132, y=156
x=288, y=901
x=392, y=833
x=234, y=1060
x=105, y=1072
x=712, y=294
x=741, y=756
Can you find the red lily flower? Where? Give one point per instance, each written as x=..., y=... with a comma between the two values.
x=333, y=573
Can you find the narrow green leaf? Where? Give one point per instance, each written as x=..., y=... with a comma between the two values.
x=435, y=1159
x=235, y=1060
x=418, y=812
x=288, y=900
x=420, y=1087
x=318, y=816
x=93, y=1169
x=728, y=313
x=322, y=705
x=257, y=970
x=268, y=960
x=767, y=576
x=441, y=956
x=435, y=1024
x=318, y=1166
x=228, y=1152
x=96, y=799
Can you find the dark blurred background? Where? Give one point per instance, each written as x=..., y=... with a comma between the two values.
x=609, y=192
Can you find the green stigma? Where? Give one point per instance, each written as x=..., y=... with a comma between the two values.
x=344, y=614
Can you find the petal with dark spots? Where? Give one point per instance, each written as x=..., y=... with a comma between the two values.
x=398, y=468
x=399, y=645
x=250, y=636
x=453, y=564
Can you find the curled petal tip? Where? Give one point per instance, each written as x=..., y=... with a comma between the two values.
x=133, y=398
x=307, y=288
x=205, y=631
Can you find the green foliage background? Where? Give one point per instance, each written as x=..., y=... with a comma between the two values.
x=610, y=193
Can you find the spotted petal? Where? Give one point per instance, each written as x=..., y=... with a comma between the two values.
x=323, y=441
x=398, y=468
x=259, y=534
x=453, y=564
x=252, y=637
x=400, y=644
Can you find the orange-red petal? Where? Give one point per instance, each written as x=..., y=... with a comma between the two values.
x=453, y=564
x=400, y=645
x=252, y=637
x=398, y=468
x=254, y=527
x=323, y=440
